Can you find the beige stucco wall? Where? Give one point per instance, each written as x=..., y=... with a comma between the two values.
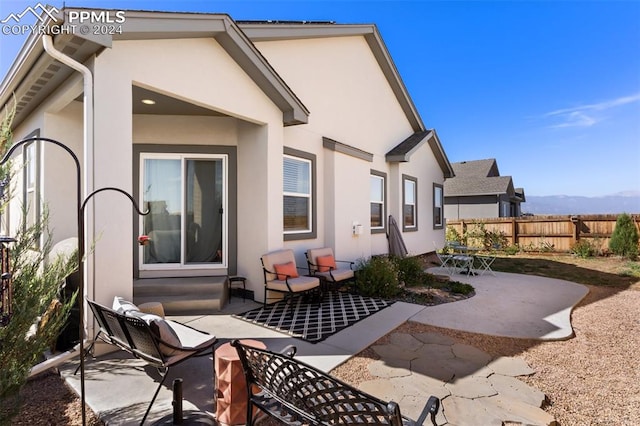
x=208, y=77
x=58, y=118
x=350, y=100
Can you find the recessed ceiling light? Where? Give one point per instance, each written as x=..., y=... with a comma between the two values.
x=148, y=102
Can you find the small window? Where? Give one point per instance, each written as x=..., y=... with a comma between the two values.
x=438, y=203
x=31, y=183
x=298, y=195
x=378, y=201
x=410, y=203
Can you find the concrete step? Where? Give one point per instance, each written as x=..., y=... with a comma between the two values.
x=184, y=295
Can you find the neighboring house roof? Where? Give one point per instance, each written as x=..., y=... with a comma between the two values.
x=468, y=185
x=480, y=177
x=34, y=74
x=403, y=151
x=476, y=168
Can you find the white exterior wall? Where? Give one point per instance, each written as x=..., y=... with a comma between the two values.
x=350, y=100
x=59, y=118
x=425, y=169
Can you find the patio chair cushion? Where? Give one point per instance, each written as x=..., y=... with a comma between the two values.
x=337, y=275
x=162, y=330
x=285, y=270
x=326, y=263
x=297, y=284
x=122, y=306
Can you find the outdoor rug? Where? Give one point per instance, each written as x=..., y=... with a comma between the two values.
x=315, y=321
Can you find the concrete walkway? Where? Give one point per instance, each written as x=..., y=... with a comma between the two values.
x=510, y=305
x=475, y=389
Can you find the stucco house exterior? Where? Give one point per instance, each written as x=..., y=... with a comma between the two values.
x=240, y=137
x=478, y=191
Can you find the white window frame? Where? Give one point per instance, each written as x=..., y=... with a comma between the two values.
x=383, y=178
x=414, y=181
x=31, y=184
x=308, y=196
x=438, y=202
x=225, y=217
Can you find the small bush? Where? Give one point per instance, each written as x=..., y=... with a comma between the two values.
x=511, y=250
x=583, y=249
x=378, y=276
x=624, y=240
x=460, y=288
x=453, y=235
x=410, y=270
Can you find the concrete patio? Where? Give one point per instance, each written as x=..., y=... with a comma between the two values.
x=475, y=389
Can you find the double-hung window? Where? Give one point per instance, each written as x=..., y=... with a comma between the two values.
x=187, y=198
x=378, y=201
x=438, y=206
x=410, y=203
x=298, y=195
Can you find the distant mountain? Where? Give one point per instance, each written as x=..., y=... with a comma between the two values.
x=622, y=202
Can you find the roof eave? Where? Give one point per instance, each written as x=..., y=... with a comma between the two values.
x=148, y=25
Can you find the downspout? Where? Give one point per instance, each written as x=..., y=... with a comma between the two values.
x=87, y=178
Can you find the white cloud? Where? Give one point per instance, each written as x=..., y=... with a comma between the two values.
x=589, y=114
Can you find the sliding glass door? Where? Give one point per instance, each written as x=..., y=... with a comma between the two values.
x=186, y=195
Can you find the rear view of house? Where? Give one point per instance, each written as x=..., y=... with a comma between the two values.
x=239, y=137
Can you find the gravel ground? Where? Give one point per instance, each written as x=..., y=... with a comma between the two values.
x=592, y=379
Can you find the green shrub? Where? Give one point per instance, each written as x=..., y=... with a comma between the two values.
x=511, y=250
x=35, y=288
x=460, y=288
x=583, y=249
x=453, y=235
x=410, y=270
x=378, y=277
x=624, y=239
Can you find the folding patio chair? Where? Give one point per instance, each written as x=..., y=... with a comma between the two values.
x=485, y=263
x=446, y=261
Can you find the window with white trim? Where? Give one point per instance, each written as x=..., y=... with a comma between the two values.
x=297, y=195
x=438, y=206
x=378, y=201
x=409, y=203
x=186, y=195
x=30, y=183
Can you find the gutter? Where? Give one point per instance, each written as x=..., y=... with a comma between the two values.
x=88, y=154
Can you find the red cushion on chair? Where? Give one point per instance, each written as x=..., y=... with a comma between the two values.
x=286, y=269
x=325, y=263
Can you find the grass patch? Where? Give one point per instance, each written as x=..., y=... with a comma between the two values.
x=598, y=271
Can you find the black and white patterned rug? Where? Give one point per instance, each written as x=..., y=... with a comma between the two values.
x=315, y=321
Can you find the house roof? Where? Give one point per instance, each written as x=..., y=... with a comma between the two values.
x=403, y=151
x=480, y=177
x=34, y=74
x=476, y=168
x=469, y=185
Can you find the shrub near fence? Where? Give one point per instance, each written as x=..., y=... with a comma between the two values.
x=548, y=233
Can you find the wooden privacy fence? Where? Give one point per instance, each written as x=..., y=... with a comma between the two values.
x=547, y=233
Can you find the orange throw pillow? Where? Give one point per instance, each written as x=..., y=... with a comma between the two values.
x=286, y=269
x=325, y=263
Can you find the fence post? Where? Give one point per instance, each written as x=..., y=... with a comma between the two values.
x=514, y=232
x=577, y=225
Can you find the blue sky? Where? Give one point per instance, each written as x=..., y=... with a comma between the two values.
x=551, y=89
